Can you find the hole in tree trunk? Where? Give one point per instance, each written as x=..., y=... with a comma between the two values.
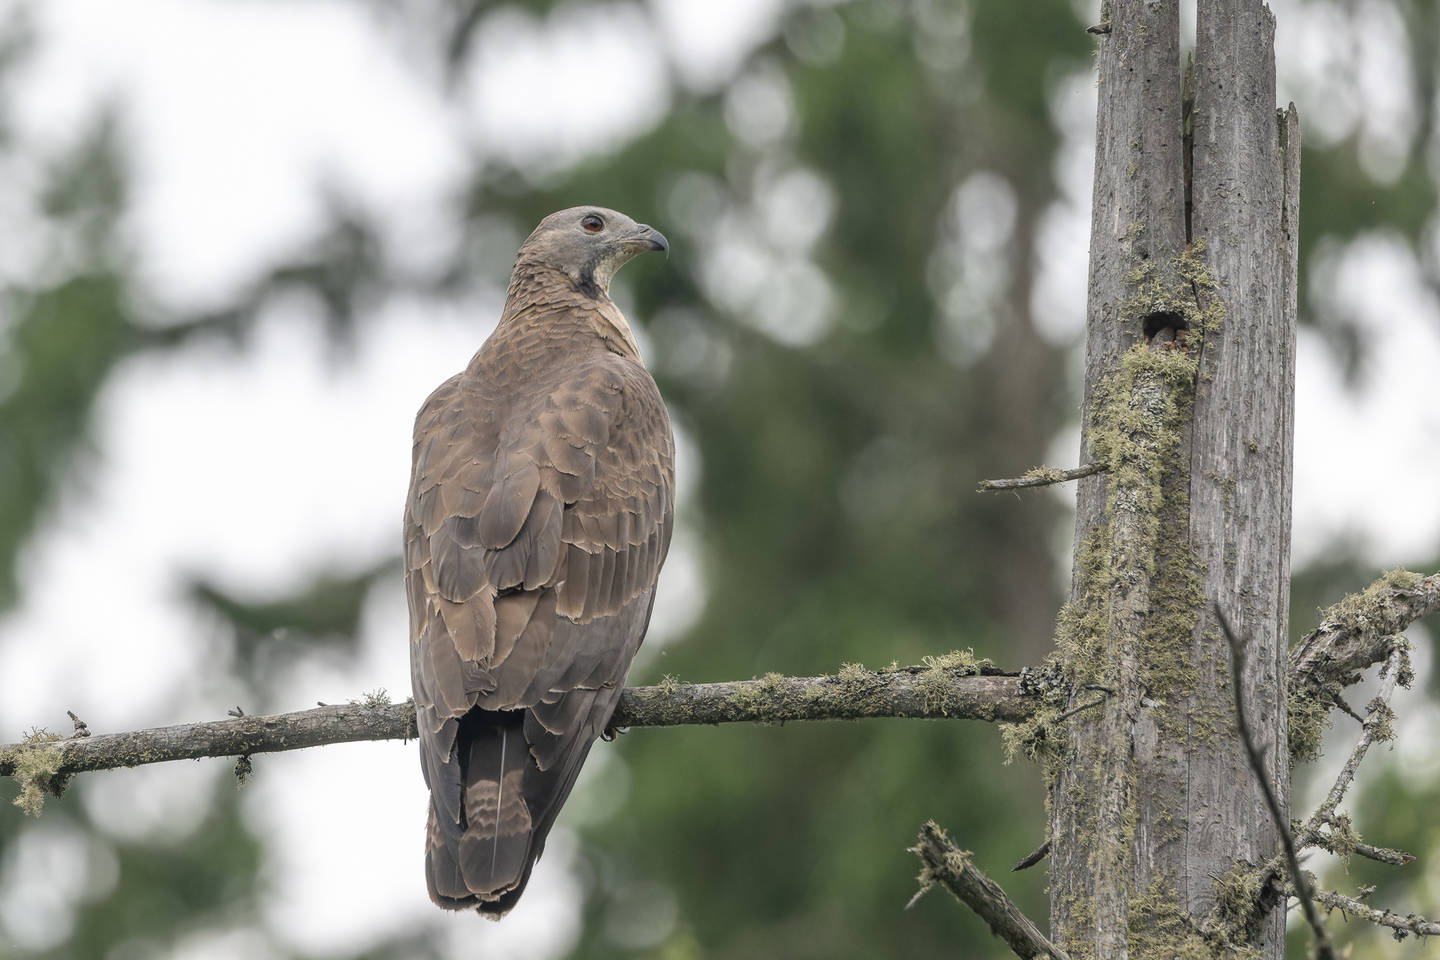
x=1164, y=326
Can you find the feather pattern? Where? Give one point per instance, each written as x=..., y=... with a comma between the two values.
x=540, y=511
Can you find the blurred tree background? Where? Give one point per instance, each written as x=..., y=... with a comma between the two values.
x=879, y=218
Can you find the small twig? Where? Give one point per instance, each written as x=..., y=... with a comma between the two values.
x=1377, y=718
x=81, y=728
x=1042, y=477
x=1032, y=858
x=237, y=712
x=1339, y=701
x=1340, y=840
x=1373, y=726
x=943, y=862
x=1396, y=858
x=1084, y=706
x=1403, y=926
x=1323, y=948
x=1099, y=28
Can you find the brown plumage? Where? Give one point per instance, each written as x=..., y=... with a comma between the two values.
x=540, y=508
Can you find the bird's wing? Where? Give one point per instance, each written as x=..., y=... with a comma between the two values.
x=534, y=535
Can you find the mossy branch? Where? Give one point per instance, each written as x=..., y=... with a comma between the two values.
x=1402, y=926
x=1042, y=477
x=954, y=686
x=944, y=863
x=1377, y=726
x=1355, y=634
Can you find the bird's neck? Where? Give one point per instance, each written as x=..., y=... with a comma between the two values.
x=545, y=301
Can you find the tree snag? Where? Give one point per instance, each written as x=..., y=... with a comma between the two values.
x=1189, y=400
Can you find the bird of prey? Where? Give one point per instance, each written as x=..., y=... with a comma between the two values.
x=541, y=503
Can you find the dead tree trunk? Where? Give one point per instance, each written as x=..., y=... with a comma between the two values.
x=1189, y=384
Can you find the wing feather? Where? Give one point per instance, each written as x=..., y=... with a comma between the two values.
x=537, y=521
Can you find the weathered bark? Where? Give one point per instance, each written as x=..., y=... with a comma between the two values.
x=1137, y=218
x=1245, y=189
x=1188, y=399
x=927, y=691
x=944, y=863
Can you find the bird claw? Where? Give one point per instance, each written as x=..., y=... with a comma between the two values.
x=611, y=732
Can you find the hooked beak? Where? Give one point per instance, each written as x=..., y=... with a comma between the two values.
x=648, y=238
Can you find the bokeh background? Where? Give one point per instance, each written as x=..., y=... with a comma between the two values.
x=241, y=241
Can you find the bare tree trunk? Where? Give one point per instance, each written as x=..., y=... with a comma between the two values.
x=1188, y=399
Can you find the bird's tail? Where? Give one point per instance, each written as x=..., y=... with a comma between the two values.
x=484, y=860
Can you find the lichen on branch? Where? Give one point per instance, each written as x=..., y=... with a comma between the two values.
x=955, y=685
x=1354, y=634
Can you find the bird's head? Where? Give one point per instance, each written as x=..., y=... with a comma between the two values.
x=588, y=244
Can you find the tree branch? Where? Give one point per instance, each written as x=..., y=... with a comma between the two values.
x=943, y=862
x=1355, y=633
x=934, y=690
x=1403, y=926
x=1342, y=843
x=1323, y=948
x=1042, y=477
x=1376, y=727
x=1032, y=858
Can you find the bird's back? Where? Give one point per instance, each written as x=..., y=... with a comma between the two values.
x=539, y=513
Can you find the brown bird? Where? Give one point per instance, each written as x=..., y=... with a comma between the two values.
x=542, y=498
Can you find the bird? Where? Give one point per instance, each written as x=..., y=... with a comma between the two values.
x=539, y=513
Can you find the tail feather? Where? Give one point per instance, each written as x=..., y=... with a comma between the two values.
x=515, y=770
x=483, y=855
x=496, y=844
x=442, y=869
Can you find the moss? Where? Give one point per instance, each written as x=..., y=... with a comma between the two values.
x=1241, y=895
x=1159, y=927
x=1137, y=427
x=37, y=769
x=853, y=677
x=961, y=660
x=1401, y=579
x=1040, y=737
x=1136, y=423
x=1341, y=839
x=374, y=698
x=1044, y=474
x=1371, y=608
x=758, y=697
x=936, y=682
x=1406, y=676
x=669, y=685
x=1381, y=720
x=1309, y=718
x=1080, y=627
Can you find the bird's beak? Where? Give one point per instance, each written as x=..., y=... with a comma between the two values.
x=648, y=238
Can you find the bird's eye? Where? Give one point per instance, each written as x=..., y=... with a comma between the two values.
x=593, y=223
